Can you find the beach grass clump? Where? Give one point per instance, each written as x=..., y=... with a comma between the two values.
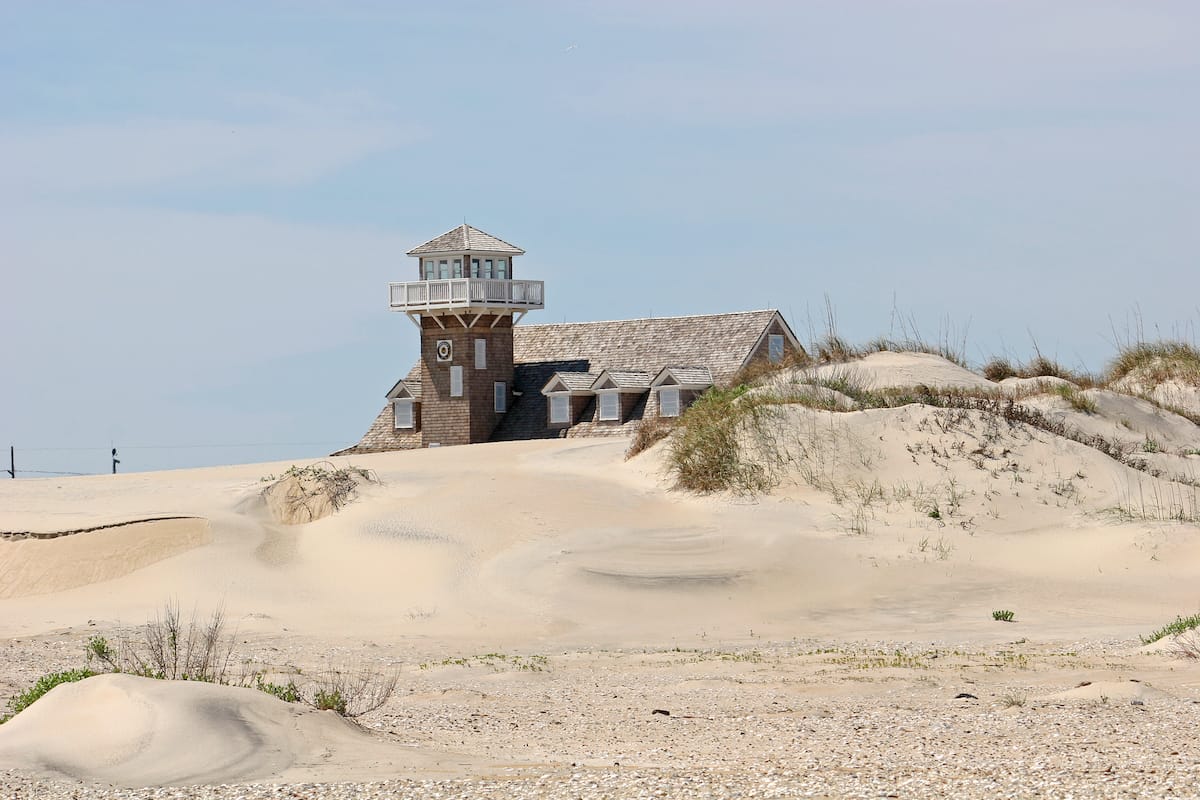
x=44, y=684
x=712, y=448
x=650, y=432
x=1181, y=624
x=1077, y=399
x=1157, y=362
x=998, y=368
x=1003, y=615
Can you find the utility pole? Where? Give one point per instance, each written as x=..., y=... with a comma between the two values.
x=12, y=462
x=115, y=461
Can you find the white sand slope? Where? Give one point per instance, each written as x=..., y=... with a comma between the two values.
x=886, y=369
x=134, y=731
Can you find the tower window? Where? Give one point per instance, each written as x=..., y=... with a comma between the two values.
x=501, y=268
x=500, y=389
x=443, y=269
x=610, y=407
x=560, y=409
x=456, y=381
x=775, y=348
x=457, y=268
x=474, y=267
x=429, y=267
x=481, y=354
x=487, y=268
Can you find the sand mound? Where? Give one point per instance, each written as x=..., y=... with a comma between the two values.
x=1104, y=691
x=307, y=494
x=41, y=566
x=133, y=731
x=886, y=370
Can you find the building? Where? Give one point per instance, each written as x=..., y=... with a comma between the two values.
x=482, y=377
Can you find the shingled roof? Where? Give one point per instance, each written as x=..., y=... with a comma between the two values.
x=464, y=239
x=721, y=342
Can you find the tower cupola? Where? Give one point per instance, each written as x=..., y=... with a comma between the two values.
x=466, y=271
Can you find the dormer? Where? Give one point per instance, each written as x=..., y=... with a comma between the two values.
x=567, y=395
x=405, y=398
x=617, y=392
x=676, y=388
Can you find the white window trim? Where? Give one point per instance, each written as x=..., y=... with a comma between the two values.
x=500, y=396
x=662, y=406
x=456, y=377
x=406, y=403
x=564, y=401
x=481, y=354
x=600, y=396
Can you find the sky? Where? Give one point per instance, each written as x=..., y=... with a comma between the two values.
x=201, y=204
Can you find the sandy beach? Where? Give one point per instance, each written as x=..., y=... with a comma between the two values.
x=563, y=623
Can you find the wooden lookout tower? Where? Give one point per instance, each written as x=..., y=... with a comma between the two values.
x=465, y=302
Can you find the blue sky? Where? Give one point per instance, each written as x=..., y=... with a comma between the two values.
x=201, y=204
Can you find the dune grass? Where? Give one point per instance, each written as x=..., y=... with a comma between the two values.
x=709, y=453
x=1157, y=362
x=1181, y=624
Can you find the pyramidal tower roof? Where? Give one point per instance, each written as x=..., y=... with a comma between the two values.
x=465, y=239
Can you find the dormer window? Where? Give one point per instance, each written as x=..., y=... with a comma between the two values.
x=668, y=401
x=610, y=406
x=403, y=410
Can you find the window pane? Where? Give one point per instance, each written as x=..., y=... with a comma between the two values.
x=560, y=409
x=429, y=270
x=487, y=268
x=501, y=268
x=501, y=397
x=775, y=347
x=457, y=268
x=474, y=267
x=668, y=403
x=610, y=406
x=404, y=413
x=456, y=383
x=443, y=269
x=481, y=354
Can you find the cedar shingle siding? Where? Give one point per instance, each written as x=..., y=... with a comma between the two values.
x=722, y=343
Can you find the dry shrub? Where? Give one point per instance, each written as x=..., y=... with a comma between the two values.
x=170, y=648
x=351, y=692
x=649, y=433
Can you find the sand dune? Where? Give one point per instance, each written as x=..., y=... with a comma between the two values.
x=141, y=732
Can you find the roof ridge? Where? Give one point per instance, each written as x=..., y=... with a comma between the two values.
x=647, y=319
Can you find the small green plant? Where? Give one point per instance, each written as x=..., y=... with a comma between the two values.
x=329, y=700
x=1180, y=625
x=289, y=693
x=44, y=684
x=1151, y=446
x=1003, y=615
